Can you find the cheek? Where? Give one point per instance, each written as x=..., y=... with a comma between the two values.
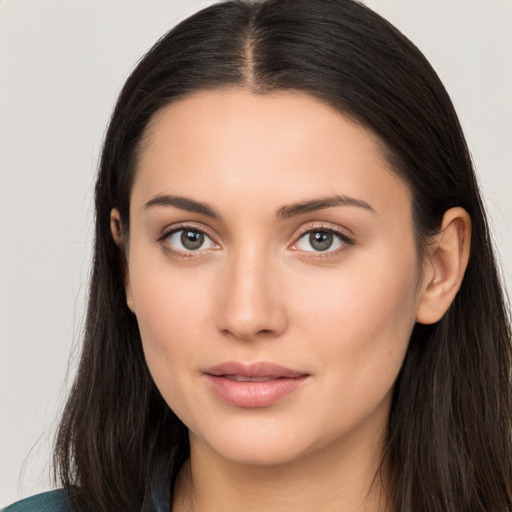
x=171, y=310
x=169, y=319
x=167, y=298
x=172, y=330
x=360, y=318
x=357, y=329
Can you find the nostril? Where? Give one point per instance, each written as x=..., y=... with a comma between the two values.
x=242, y=334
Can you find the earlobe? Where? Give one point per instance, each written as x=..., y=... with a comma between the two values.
x=117, y=234
x=129, y=297
x=445, y=266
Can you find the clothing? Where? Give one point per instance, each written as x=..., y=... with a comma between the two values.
x=57, y=501
x=158, y=499
x=51, y=501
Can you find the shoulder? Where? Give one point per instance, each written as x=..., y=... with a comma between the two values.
x=51, y=501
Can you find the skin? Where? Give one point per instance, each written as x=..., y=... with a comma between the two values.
x=258, y=290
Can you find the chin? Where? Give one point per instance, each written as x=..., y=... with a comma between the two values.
x=258, y=454
x=260, y=446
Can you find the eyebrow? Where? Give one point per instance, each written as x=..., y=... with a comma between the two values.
x=285, y=212
x=183, y=203
x=320, y=204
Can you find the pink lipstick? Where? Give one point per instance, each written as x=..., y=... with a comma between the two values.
x=253, y=385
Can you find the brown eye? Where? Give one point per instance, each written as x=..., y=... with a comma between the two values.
x=192, y=240
x=189, y=240
x=321, y=240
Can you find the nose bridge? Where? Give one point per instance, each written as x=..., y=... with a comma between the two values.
x=250, y=304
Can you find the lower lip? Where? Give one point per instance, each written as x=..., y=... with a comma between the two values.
x=253, y=394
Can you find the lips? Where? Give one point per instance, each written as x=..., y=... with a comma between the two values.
x=245, y=378
x=254, y=385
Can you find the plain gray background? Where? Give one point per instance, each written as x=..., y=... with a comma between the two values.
x=62, y=64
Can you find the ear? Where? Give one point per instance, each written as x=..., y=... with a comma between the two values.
x=117, y=233
x=448, y=256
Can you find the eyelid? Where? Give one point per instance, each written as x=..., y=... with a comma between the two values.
x=194, y=226
x=182, y=226
x=344, y=235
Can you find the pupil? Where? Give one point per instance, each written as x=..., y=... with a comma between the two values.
x=320, y=240
x=192, y=239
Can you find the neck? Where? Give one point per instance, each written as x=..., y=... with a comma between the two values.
x=349, y=478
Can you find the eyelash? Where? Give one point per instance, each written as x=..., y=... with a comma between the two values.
x=176, y=229
x=347, y=242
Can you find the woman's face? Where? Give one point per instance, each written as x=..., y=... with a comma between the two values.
x=273, y=271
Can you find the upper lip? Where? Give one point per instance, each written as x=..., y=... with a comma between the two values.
x=260, y=369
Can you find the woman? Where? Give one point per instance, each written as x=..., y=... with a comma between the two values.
x=294, y=302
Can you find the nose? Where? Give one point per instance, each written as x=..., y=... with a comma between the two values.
x=250, y=304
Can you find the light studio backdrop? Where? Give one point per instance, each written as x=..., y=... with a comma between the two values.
x=62, y=65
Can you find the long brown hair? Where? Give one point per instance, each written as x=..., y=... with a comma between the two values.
x=449, y=438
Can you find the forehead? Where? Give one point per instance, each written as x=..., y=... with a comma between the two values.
x=224, y=143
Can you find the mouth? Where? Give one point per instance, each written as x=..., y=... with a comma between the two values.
x=245, y=378
x=254, y=385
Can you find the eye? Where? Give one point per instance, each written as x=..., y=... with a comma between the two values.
x=189, y=240
x=321, y=240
